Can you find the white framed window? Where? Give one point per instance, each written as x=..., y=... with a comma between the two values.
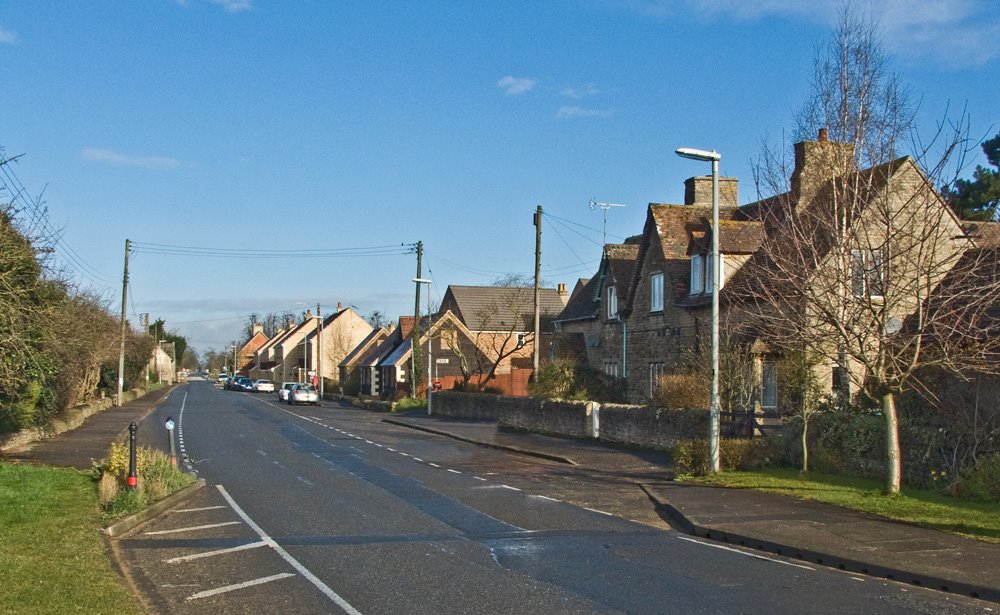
x=611, y=368
x=697, y=274
x=769, y=385
x=656, y=292
x=868, y=273
x=655, y=371
x=612, y=303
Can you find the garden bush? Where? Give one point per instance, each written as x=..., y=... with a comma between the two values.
x=981, y=482
x=681, y=391
x=156, y=477
x=691, y=456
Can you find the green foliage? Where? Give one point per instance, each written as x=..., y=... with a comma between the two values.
x=979, y=198
x=409, y=403
x=156, y=477
x=981, y=482
x=691, y=456
x=568, y=379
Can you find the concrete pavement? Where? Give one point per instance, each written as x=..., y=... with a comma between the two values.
x=811, y=531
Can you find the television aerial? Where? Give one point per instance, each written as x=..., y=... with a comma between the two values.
x=594, y=204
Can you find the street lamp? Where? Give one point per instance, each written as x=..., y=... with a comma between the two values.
x=429, y=357
x=713, y=408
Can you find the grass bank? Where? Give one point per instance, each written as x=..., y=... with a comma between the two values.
x=979, y=520
x=54, y=558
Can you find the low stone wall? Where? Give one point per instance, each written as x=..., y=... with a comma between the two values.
x=64, y=421
x=549, y=416
x=651, y=428
x=478, y=406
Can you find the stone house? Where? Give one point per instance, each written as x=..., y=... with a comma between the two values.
x=592, y=312
x=372, y=383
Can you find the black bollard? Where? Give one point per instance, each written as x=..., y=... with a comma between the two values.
x=133, y=477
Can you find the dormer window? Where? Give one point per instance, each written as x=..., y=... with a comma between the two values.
x=612, y=303
x=701, y=273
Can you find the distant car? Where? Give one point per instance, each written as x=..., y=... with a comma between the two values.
x=303, y=394
x=245, y=384
x=283, y=391
x=263, y=386
x=221, y=378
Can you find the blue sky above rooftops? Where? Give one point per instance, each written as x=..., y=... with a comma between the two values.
x=346, y=126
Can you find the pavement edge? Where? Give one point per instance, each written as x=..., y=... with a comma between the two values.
x=681, y=522
x=505, y=447
x=117, y=529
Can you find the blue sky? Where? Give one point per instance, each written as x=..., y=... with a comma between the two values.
x=257, y=124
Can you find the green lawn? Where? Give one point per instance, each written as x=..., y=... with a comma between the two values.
x=980, y=520
x=54, y=560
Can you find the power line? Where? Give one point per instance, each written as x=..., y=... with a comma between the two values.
x=210, y=252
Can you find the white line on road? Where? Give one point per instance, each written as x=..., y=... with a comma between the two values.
x=545, y=497
x=188, y=558
x=192, y=528
x=479, y=478
x=509, y=487
x=229, y=588
x=454, y=471
x=433, y=465
x=754, y=555
x=598, y=511
x=310, y=483
x=418, y=459
x=187, y=510
x=320, y=585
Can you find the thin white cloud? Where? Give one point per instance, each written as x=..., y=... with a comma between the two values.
x=107, y=156
x=952, y=33
x=8, y=37
x=234, y=6
x=581, y=92
x=573, y=111
x=512, y=86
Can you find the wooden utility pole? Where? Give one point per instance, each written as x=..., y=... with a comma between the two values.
x=121, y=349
x=415, y=343
x=538, y=282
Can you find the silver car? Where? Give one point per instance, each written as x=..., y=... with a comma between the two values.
x=303, y=394
x=283, y=391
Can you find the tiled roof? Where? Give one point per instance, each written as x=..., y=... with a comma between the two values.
x=496, y=308
x=583, y=303
x=369, y=343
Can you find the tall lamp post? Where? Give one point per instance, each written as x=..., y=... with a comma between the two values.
x=713, y=408
x=430, y=359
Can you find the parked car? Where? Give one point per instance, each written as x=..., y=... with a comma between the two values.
x=245, y=384
x=283, y=391
x=263, y=386
x=303, y=394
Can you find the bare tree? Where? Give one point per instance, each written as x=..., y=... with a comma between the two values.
x=856, y=254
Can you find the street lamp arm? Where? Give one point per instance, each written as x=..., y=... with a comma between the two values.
x=698, y=154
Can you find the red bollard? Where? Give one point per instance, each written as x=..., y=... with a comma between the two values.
x=133, y=477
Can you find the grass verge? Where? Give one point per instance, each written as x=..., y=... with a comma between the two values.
x=979, y=520
x=54, y=558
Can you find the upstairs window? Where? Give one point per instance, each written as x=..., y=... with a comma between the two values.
x=868, y=273
x=612, y=303
x=697, y=274
x=656, y=292
x=701, y=273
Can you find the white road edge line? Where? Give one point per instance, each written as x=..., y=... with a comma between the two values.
x=191, y=528
x=188, y=558
x=320, y=585
x=755, y=555
x=229, y=588
x=187, y=510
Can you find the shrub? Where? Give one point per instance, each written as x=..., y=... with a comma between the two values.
x=156, y=476
x=681, y=391
x=982, y=481
x=567, y=379
x=691, y=456
x=409, y=403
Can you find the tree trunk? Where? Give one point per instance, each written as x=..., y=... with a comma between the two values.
x=805, y=444
x=892, y=453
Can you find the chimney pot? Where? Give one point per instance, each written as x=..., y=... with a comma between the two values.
x=562, y=289
x=340, y=308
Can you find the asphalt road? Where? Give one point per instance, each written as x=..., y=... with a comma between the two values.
x=329, y=510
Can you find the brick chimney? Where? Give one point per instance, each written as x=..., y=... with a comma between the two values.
x=257, y=328
x=816, y=163
x=340, y=308
x=698, y=191
x=562, y=290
